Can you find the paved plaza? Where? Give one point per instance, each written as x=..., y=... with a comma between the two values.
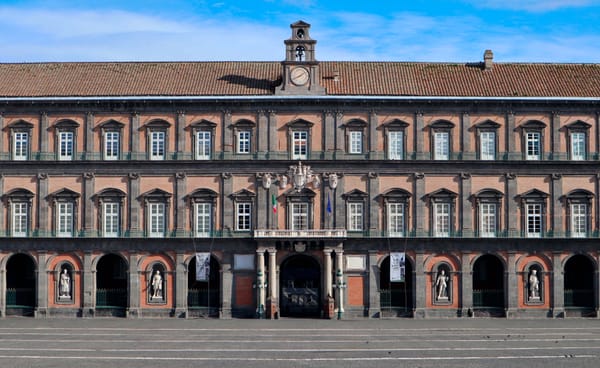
x=65, y=343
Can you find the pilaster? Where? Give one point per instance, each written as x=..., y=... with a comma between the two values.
x=420, y=294
x=42, y=203
x=3, y=228
x=134, y=134
x=556, y=213
x=465, y=138
x=44, y=133
x=180, y=205
x=466, y=283
x=181, y=286
x=420, y=137
x=227, y=289
x=339, y=133
x=466, y=208
x=1, y=130
x=134, y=203
x=42, y=286
x=374, y=296
x=226, y=132
x=373, y=122
x=134, y=287
x=180, y=139
x=558, y=286
x=273, y=141
x=510, y=136
x=329, y=132
x=373, y=224
x=555, y=129
x=88, y=203
x=263, y=134
x=89, y=133
x=263, y=186
x=338, y=205
x=227, y=213
x=511, y=289
x=419, y=206
x=88, y=288
x=511, y=204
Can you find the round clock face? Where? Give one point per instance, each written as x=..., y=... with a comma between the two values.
x=299, y=76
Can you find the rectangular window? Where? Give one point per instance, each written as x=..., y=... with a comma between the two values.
x=441, y=219
x=300, y=145
x=534, y=220
x=111, y=145
x=578, y=220
x=65, y=146
x=487, y=145
x=157, y=145
x=203, y=145
x=355, y=216
x=533, y=145
x=396, y=219
x=110, y=225
x=65, y=219
x=21, y=146
x=441, y=146
x=487, y=220
x=355, y=142
x=243, y=142
x=396, y=145
x=203, y=219
x=19, y=219
x=299, y=216
x=156, y=220
x=244, y=215
x=578, y=146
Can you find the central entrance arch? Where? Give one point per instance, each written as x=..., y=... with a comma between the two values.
x=488, y=284
x=111, y=285
x=300, y=280
x=20, y=285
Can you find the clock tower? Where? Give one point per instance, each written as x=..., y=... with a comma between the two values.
x=300, y=74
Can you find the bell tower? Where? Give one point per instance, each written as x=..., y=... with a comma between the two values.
x=300, y=74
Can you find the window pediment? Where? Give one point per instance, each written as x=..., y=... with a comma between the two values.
x=156, y=195
x=292, y=194
x=490, y=194
x=19, y=125
x=242, y=195
x=441, y=125
x=441, y=195
x=355, y=124
x=578, y=125
x=110, y=125
x=202, y=195
x=66, y=125
x=533, y=195
x=532, y=125
x=300, y=124
x=244, y=124
x=355, y=194
x=64, y=194
x=395, y=124
x=203, y=125
x=156, y=124
x=18, y=194
x=579, y=195
x=487, y=125
x=109, y=193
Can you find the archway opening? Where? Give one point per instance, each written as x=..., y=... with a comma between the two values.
x=20, y=285
x=579, y=282
x=111, y=283
x=488, y=284
x=395, y=296
x=204, y=294
x=300, y=287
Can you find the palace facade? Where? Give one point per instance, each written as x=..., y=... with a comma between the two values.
x=289, y=184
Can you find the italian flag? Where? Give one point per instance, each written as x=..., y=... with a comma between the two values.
x=274, y=203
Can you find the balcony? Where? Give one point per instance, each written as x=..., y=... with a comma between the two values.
x=305, y=234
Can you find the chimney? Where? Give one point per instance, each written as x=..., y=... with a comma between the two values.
x=488, y=60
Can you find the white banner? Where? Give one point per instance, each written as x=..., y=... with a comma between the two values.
x=202, y=266
x=397, y=267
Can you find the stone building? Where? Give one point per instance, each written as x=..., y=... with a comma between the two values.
x=267, y=189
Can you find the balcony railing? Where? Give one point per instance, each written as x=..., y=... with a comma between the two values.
x=284, y=155
x=317, y=234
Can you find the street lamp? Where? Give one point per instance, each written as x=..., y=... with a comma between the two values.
x=340, y=285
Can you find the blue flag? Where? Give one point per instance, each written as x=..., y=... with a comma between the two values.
x=328, y=204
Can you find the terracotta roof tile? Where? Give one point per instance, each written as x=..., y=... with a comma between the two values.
x=260, y=78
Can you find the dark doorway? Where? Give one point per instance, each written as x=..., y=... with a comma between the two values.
x=20, y=285
x=488, y=284
x=579, y=282
x=300, y=293
x=204, y=296
x=395, y=296
x=111, y=284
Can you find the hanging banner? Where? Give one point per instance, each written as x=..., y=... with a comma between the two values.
x=397, y=267
x=202, y=266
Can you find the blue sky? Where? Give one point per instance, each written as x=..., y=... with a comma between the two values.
x=382, y=30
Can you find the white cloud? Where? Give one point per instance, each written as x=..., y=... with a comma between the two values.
x=533, y=5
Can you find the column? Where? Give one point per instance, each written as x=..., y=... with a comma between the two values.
x=327, y=275
x=511, y=205
x=419, y=285
x=89, y=289
x=466, y=289
x=556, y=213
x=419, y=216
x=340, y=282
x=180, y=129
x=180, y=205
x=134, y=287
x=227, y=289
x=273, y=284
x=558, y=286
x=42, y=286
x=511, y=288
x=466, y=207
x=260, y=283
x=374, y=297
x=180, y=286
x=88, y=204
x=89, y=134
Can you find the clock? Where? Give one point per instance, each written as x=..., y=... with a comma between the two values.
x=299, y=76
